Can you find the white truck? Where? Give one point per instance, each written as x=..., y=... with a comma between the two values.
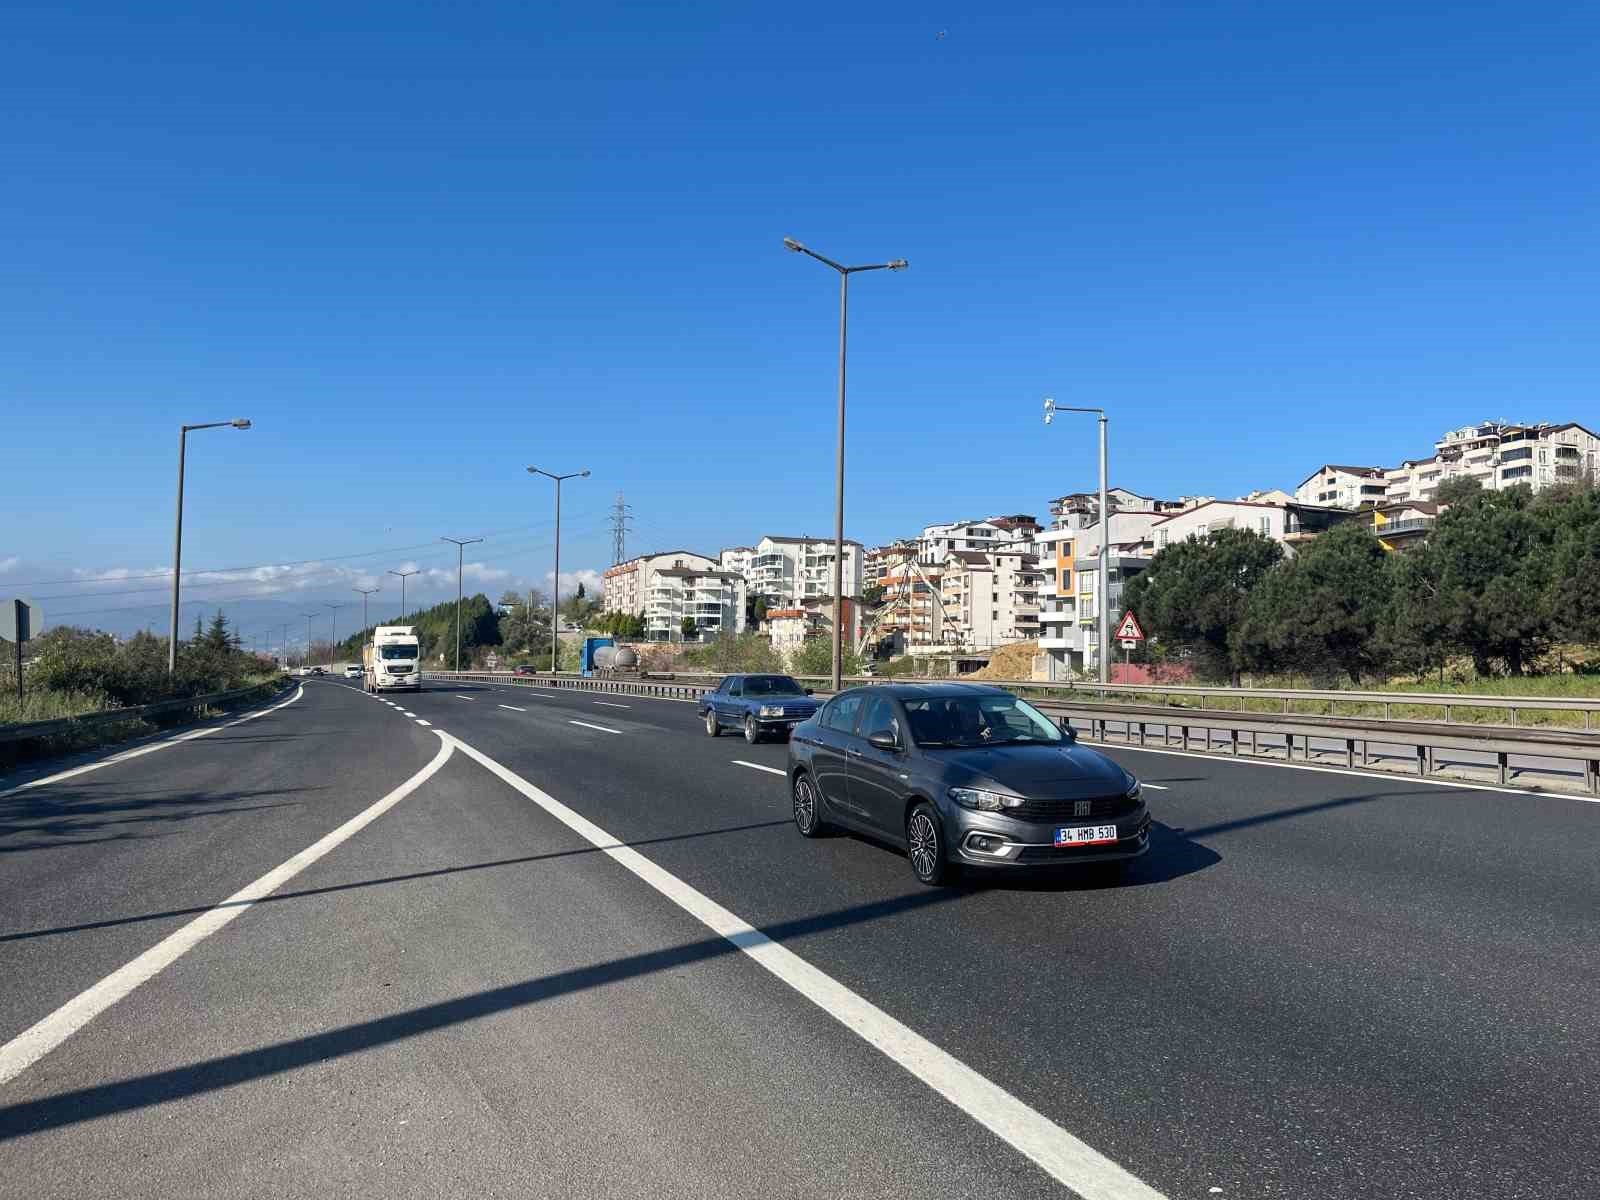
x=392, y=660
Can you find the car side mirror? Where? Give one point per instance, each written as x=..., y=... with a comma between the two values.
x=809, y=692
x=1067, y=731
x=883, y=740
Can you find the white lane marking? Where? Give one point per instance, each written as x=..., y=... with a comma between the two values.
x=601, y=728
x=1068, y=1160
x=125, y=755
x=32, y=1044
x=407, y=714
x=420, y=721
x=758, y=767
x=1160, y=787
x=513, y=708
x=1395, y=776
x=468, y=699
x=608, y=704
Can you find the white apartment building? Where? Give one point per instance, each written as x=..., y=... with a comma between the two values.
x=1500, y=454
x=1332, y=486
x=628, y=584
x=737, y=559
x=1290, y=524
x=993, y=598
x=789, y=570
x=713, y=599
x=937, y=541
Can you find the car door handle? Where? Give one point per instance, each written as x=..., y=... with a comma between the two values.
x=855, y=753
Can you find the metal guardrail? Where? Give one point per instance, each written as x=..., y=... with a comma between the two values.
x=43, y=729
x=1425, y=738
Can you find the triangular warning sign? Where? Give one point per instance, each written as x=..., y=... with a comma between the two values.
x=1129, y=630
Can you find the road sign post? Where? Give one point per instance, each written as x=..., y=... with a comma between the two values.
x=1130, y=635
x=18, y=619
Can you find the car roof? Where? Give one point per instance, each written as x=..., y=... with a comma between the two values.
x=929, y=691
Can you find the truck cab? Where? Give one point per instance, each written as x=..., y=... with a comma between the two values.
x=392, y=660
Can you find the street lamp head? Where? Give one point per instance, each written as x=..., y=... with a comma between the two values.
x=241, y=423
x=583, y=474
x=899, y=264
x=793, y=245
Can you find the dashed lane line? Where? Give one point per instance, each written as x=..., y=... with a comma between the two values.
x=32, y=1044
x=601, y=728
x=758, y=767
x=513, y=708
x=608, y=704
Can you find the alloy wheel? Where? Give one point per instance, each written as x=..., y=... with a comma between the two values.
x=805, y=806
x=922, y=846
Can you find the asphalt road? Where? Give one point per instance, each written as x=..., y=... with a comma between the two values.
x=1318, y=984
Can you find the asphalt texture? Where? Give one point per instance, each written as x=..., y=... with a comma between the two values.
x=1317, y=984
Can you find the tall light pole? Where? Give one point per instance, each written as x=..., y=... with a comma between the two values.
x=555, y=584
x=404, y=575
x=333, y=629
x=845, y=272
x=308, y=617
x=1103, y=590
x=177, y=537
x=459, y=543
x=364, y=593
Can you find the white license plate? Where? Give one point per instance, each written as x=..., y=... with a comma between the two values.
x=1086, y=835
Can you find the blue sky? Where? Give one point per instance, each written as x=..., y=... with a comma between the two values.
x=424, y=246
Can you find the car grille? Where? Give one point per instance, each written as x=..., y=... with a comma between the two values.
x=1067, y=810
x=398, y=670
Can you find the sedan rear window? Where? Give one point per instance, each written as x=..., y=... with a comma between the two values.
x=970, y=721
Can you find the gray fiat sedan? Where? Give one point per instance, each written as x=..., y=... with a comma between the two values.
x=962, y=775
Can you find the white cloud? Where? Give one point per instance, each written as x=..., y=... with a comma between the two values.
x=593, y=582
x=8, y=564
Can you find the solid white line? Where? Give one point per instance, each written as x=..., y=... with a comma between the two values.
x=32, y=1044
x=608, y=704
x=758, y=767
x=1395, y=776
x=125, y=755
x=1160, y=787
x=1064, y=1157
x=601, y=728
x=513, y=708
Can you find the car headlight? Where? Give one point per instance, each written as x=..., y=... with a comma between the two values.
x=772, y=710
x=982, y=801
x=1135, y=791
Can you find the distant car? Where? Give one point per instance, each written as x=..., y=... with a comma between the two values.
x=352, y=672
x=318, y=671
x=962, y=775
x=760, y=705
x=523, y=670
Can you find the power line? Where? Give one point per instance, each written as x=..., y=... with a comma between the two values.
x=619, y=531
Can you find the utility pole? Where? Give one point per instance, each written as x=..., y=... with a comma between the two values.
x=177, y=538
x=404, y=575
x=555, y=584
x=459, y=544
x=619, y=531
x=308, y=617
x=364, y=593
x=1103, y=588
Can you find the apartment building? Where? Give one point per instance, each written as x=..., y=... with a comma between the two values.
x=1290, y=524
x=1332, y=486
x=628, y=584
x=937, y=541
x=787, y=629
x=713, y=599
x=992, y=597
x=737, y=559
x=1405, y=525
x=789, y=570
x=1500, y=454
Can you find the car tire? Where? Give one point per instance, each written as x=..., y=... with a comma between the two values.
x=807, y=806
x=925, y=846
x=752, y=732
x=713, y=729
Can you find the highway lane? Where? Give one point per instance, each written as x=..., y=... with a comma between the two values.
x=1317, y=984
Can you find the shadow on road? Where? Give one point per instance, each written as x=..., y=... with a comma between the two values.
x=231, y=1070
x=408, y=877
x=44, y=819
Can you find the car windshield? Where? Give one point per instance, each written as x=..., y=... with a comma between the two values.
x=972, y=721
x=398, y=651
x=771, y=685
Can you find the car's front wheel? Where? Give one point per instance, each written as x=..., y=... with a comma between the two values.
x=712, y=728
x=807, y=810
x=925, y=846
x=752, y=732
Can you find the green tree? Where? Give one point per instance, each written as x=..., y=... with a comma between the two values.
x=872, y=595
x=1496, y=565
x=216, y=637
x=1415, y=635
x=1194, y=594
x=1458, y=490
x=1321, y=611
x=814, y=656
x=688, y=629
x=1573, y=516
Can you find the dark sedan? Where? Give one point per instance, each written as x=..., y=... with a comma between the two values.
x=759, y=705
x=962, y=775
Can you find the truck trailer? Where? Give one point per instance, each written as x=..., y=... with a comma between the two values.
x=392, y=660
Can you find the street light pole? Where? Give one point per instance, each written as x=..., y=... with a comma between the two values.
x=459, y=544
x=404, y=575
x=333, y=630
x=177, y=537
x=1103, y=583
x=555, y=584
x=308, y=617
x=364, y=593
x=845, y=272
